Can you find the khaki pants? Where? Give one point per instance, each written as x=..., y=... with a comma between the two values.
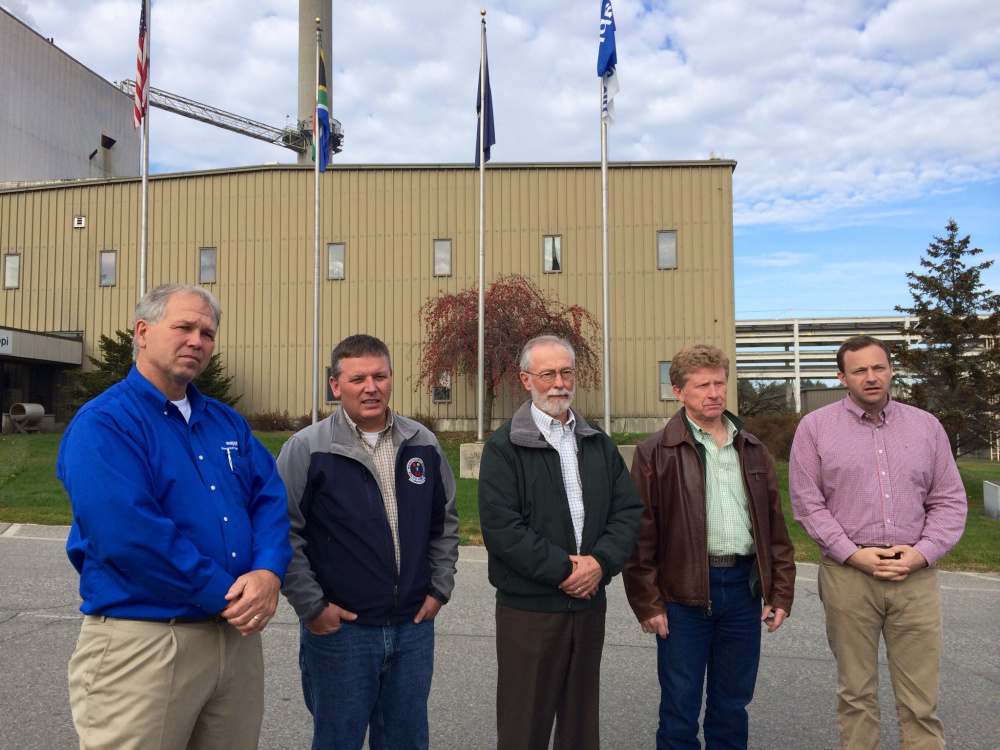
x=907, y=614
x=137, y=685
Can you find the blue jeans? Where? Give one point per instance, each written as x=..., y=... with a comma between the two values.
x=726, y=645
x=373, y=678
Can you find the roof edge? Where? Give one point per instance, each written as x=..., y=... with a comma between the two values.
x=12, y=187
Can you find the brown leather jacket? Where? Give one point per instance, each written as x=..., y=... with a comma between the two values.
x=670, y=560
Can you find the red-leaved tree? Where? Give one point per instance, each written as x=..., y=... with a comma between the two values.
x=516, y=311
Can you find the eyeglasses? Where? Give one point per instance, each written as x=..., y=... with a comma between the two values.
x=549, y=376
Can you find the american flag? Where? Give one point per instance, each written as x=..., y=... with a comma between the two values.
x=141, y=72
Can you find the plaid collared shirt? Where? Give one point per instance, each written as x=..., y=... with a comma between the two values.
x=383, y=454
x=729, y=529
x=562, y=437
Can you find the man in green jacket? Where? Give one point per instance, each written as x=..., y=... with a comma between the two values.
x=559, y=515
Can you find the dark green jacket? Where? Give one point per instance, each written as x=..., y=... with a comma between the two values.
x=525, y=517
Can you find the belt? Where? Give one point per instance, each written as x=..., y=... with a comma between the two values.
x=210, y=620
x=728, y=561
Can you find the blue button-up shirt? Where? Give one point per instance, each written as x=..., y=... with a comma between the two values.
x=167, y=513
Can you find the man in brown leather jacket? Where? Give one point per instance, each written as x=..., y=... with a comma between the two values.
x=712, y=545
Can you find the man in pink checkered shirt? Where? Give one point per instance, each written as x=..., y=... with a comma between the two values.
x=873, y=481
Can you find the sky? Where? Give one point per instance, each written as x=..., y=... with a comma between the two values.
x=859, y=128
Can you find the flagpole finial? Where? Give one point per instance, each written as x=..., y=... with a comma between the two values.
x=319, y=22
x=482, y=12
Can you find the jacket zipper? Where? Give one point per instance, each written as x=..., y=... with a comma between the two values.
x=369, y=477
x=708, y=583
x=751, y=512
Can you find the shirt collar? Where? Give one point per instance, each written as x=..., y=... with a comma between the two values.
x=359, y=432
x=884, y=416
x=547, y=423
x=152, y=394
x=727, y=423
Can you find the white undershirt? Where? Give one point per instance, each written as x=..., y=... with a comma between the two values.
x=185, y=408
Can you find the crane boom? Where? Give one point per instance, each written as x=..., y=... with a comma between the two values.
x=298, y=139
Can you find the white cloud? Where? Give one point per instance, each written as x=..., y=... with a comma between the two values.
x=778, y=259
x=20, y=10
x=840, y=114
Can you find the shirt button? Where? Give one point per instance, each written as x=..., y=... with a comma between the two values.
x=201, y=458
x=213, y=487
x=883, y=473
x=885, y=496
x=880, y=451
x=164, y=414
x=225, y=518
x=234, y=554
x=888, y=520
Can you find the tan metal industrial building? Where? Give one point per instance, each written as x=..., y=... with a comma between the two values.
x=392, y=237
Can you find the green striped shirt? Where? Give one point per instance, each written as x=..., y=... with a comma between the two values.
x=729, y=529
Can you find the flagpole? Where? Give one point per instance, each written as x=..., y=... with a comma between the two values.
x=606, y=374
x=144, y=221
x=481, y=335
x=607, y=59
x=316, y=146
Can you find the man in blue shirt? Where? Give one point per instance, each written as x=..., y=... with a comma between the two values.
x=180, y=536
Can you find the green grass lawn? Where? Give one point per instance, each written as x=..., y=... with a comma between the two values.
x=30, y=493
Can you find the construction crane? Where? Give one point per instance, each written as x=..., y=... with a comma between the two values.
x=298, y=138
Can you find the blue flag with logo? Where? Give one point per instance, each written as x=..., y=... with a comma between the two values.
x=607, y=62
x=489, y=134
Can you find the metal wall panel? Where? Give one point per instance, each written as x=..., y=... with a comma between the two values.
x=260, y=220
x=43, y=89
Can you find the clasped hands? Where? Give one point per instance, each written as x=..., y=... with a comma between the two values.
x=252, y=598
x=585, y=579
x=882, y=563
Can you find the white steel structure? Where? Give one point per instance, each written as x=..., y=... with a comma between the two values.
x=799, y=348
x=58, y=119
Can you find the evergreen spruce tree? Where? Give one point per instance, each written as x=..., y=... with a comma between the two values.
x=955, y=369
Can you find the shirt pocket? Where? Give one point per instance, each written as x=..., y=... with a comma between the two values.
x=239, y=479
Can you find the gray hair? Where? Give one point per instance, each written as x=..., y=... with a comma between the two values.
x=153, y=304
x=525, y=362
x=358, y=345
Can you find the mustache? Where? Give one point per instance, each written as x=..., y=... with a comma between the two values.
x=558, y=392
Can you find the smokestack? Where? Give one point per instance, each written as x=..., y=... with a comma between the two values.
x=309, y=11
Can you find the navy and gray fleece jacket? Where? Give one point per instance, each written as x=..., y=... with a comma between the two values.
x=340, y=535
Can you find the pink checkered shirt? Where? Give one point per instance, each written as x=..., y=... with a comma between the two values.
x=857, y=482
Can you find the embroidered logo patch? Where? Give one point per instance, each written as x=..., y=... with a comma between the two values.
x=416, y=471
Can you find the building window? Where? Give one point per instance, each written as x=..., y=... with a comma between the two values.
x=330, y=398
x=335, y=252
x=11, y=271
x=552, y=253
x=442, y=258
x=206, y=265
x=442, y=391
x=666, y=391
x=109, y=267
x=666, y=249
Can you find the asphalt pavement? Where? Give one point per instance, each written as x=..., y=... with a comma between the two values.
x=793, y=708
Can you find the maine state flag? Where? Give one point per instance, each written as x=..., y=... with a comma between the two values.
x=489, y=131
x=607, y=61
